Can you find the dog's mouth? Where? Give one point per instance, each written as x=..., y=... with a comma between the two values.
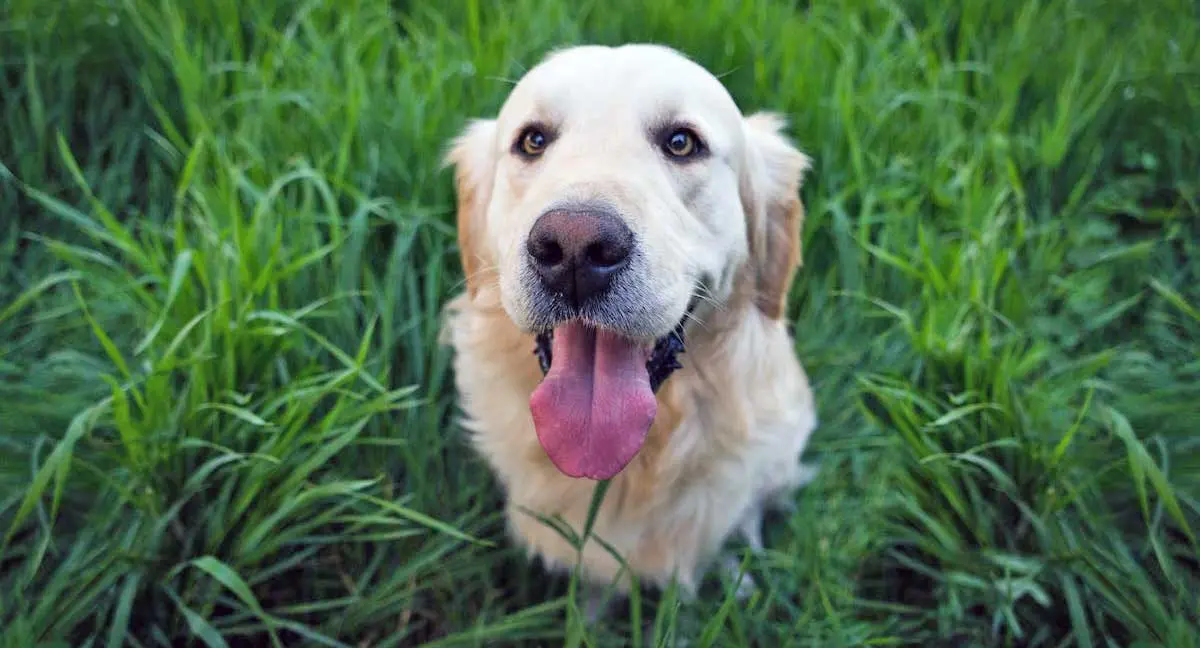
x=596, y=402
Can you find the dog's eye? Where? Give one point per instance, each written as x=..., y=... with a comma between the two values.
x=532, y=142
x=681, y=143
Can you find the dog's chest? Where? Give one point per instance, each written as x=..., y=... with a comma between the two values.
x=660, y=524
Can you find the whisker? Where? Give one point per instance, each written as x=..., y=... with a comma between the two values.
x=511, y=82
x=705, y=294
x=701, y=324
x=707, y=299
x=478, y=274
x=733, y=70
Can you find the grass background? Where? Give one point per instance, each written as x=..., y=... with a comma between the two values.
x=225, y=419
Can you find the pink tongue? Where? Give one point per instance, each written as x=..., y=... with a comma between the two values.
x=595, y=406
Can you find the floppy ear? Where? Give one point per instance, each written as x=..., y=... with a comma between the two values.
x=770, y=184
x=473, y=160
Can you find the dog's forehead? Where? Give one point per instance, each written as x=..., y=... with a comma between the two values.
x=640, y=79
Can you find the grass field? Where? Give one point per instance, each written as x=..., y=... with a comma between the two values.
x=225, y=237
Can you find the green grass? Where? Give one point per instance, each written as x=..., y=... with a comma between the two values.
x=225, y=419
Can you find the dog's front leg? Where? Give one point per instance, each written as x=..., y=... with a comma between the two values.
x=784, y=499
x=596, y=602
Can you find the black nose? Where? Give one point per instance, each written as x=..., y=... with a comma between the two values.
x=577, y=253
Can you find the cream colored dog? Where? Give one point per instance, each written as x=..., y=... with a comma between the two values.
x=618, y=208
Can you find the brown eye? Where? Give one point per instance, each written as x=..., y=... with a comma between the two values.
x=532, y=142
x=681, y=143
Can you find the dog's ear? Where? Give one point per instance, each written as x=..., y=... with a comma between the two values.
x=770, y=184
x=472, y=156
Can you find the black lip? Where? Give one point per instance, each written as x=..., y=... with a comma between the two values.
x=664, y=358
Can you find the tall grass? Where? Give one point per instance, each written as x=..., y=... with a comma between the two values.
x=226, y=418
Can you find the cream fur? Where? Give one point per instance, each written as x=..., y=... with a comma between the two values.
x=733, y=423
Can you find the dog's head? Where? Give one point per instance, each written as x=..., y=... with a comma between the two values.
x=617, y=190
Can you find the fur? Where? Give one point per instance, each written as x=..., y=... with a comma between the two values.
x=733, y=422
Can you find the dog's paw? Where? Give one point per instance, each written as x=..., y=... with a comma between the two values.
x=750, y=529
x=784, y=500
x=746, y=587
x=596, y=602
x=805, y=474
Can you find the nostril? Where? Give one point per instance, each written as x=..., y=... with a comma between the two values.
x=545, y=251
x=576, y=254
x=603, y=254
x=552, y=253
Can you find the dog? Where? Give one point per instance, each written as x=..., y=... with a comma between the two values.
x=628, y=239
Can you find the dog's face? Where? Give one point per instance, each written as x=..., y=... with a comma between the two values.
x=617, y=189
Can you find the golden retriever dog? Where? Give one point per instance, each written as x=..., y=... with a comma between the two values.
x=628, y=239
